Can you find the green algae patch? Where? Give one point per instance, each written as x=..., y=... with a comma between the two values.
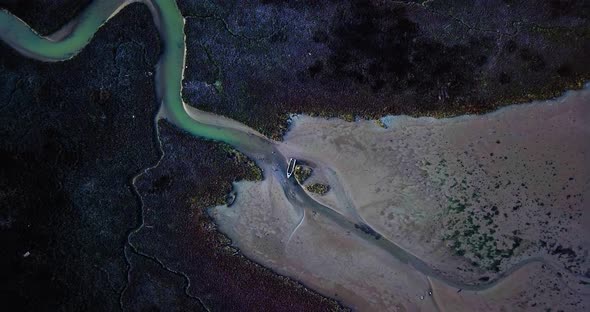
x=302, y=173
x=252, y=171
x=562, y=34
x=218, y=85
x=380, y=123
x=318, y=188
x=348, y=117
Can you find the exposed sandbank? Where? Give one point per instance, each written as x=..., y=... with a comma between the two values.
x=419, y=182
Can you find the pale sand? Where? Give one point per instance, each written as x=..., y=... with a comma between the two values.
x=319, y=253
x=401, y=181
x=531, y=288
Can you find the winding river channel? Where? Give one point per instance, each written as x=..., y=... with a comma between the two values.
x=74, y=36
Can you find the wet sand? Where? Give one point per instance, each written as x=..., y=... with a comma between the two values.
x=406, y=182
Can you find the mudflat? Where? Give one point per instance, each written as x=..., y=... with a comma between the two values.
x=472, y=196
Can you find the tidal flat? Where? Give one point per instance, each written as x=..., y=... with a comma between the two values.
x=499, y=196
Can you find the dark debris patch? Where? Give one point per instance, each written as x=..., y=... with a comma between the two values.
x=318, y=188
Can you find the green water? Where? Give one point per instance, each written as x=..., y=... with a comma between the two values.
x=169, y=71
x=16, y=33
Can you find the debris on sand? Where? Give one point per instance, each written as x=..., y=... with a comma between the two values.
x=318, y=188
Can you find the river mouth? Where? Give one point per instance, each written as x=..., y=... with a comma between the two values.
x=304, y=218
x=404, y=182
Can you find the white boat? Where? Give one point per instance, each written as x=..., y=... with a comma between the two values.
x=291, y=167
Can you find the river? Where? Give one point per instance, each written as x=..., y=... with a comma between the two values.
x=74, y=36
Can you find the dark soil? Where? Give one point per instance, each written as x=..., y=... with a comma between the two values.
x=73, y=136
x=200, y=174
x=370, y=58
x=45, y=16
